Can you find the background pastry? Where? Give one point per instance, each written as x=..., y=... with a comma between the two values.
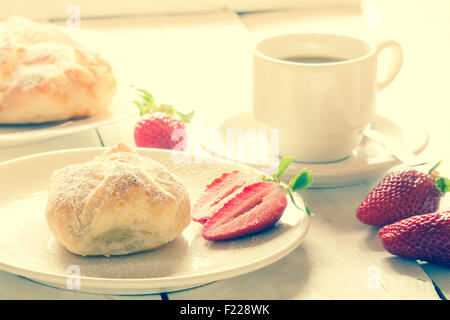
x=47, y=76
x=118, y=203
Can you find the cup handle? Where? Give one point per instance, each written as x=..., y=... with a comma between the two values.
x=397, y=61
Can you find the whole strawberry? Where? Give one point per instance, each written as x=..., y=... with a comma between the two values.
x=425, y=237
x=158, y=130
x=403, y=194
x=160, y=126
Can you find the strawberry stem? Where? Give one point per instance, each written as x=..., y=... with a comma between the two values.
x=434, y=167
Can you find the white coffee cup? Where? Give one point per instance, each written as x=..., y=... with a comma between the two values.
x=320, y=109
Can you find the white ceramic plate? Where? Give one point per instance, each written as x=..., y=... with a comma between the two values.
x=14, y=135
x=28, y=249
x=252, y=146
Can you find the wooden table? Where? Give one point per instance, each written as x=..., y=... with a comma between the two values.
x=203, y=62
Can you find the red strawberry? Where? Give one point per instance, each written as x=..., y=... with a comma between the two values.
x=161, y=126
x=158, y=130
x=218, y=192
x=402, y=194
x=257, y=207
x=425, y=237
x=238, y=204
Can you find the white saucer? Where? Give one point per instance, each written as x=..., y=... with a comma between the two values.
x=368, y=160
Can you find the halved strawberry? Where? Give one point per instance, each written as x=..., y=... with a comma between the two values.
x=238, y=204
x=257, y=207
x=218, y=192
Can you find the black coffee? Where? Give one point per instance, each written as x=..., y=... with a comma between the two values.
x=312, y=60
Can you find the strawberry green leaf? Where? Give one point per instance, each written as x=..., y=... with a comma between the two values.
x=146, y=96
x=148, y=105
x=167, y=109
x=293, y=200
x=143, y=108
x=442, y=184
x=308, y=211
x=305, y=205
x=282, y=166
x=302, y=180
x=185, y=117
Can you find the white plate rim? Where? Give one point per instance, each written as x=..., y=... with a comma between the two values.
x=17, y=138
x=90, y=284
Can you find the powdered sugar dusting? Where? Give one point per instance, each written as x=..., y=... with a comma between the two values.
x=34, y=55
x=117, y=172
x=70, y=186
x=34, y=66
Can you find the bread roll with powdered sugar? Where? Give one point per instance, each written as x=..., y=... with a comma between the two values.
x=118, y=203
x=46, y=76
